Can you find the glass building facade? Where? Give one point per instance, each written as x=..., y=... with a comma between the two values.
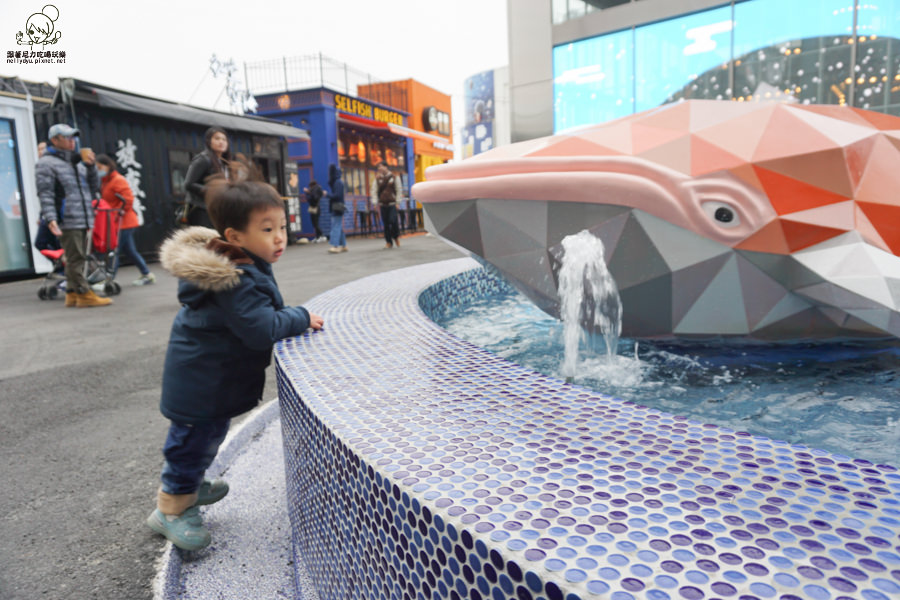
x=808, y=51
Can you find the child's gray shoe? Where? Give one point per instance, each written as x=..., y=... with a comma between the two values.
x=186, y=530
x=211, y=492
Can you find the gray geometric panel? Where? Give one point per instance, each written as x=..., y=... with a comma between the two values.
x=567, y=218
x=678, y=246
x=635, y=259
x=765, y=291
x=642, y=315
x=876, y=317
x=720, y=308
x=690, y=282
x=513, y=226
x=533, y=271
x=868, y=322
x=529, y=217
x=608, y=232
x=827, y=293
x=789, y=307
x=799, y=325
x=894, y=289
x=458, y=222
x=443, y=214
x=783, y=268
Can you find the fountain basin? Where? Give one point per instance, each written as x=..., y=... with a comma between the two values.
x=421, y=466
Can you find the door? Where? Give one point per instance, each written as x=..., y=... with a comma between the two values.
x=14, y=249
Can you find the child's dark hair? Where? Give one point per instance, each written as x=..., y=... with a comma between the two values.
x=231, y=204
x=104, y=159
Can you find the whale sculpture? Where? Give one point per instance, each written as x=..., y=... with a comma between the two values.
x=771, y=222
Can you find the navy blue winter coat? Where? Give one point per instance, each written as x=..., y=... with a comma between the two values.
x=221, y=342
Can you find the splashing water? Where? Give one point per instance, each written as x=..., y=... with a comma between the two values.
x=589, y=298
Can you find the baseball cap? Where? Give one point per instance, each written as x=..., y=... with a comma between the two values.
x=63, y=130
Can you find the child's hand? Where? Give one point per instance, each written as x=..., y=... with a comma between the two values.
x=315, y=321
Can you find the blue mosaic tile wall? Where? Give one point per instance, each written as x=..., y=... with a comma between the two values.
x=419, y=466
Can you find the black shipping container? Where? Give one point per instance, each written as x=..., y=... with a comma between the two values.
x=153, y=142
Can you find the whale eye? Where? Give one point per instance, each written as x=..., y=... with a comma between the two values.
x=722, y=214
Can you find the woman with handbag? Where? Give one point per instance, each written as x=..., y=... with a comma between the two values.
x=337, y=239
x=212, y=163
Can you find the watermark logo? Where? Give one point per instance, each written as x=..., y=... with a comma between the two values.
x=40, y=33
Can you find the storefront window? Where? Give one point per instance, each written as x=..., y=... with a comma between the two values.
x=376, y=153
x=594, y=80
x=672, y=55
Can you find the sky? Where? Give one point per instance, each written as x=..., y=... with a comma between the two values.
x=163, y=48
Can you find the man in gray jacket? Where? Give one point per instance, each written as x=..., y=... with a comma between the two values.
x=67, y=183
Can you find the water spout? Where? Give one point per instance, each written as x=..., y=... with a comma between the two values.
x=589, y=298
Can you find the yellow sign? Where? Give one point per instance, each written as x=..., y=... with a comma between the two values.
x=364, y=109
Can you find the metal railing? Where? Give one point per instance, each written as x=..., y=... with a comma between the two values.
x=291, y=73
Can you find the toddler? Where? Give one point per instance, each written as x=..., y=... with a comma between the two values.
x=220, y=345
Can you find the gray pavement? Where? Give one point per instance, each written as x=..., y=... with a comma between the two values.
x=80, y=431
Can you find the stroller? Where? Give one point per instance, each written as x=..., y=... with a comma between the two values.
x=102, y=262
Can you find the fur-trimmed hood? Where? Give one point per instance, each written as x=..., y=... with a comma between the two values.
x=200, y=257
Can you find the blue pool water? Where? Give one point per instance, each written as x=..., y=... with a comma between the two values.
x=844, y=397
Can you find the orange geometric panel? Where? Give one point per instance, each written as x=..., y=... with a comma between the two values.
x=786, y=135
x=646, y=138
x=841, y=215
x=573, y=146
x=880, y=174
x=788, y=195
x=868, y=231
x=886, y=220
x=879, y=120
x=826, y=169
x=804, y=235
x=708, y=158
x=769, y=238
x=857, y=156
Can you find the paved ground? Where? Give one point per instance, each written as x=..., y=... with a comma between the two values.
x=80, y=431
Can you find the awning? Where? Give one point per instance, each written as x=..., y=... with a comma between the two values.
x=355, y=121
x=395, y=129
x=415, y=133
x=192, y=114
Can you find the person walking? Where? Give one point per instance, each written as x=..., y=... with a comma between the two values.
x=337, y=239
x=221, y=344
x=385, y=192
x=67, y=183
x=313, y=196
x=114, y=189
x=211, y=163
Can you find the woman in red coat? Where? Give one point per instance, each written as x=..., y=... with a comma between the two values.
x=112, y=183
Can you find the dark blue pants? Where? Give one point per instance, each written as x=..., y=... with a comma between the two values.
x=126, y=244
x=391, y=223
x=189, y=450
